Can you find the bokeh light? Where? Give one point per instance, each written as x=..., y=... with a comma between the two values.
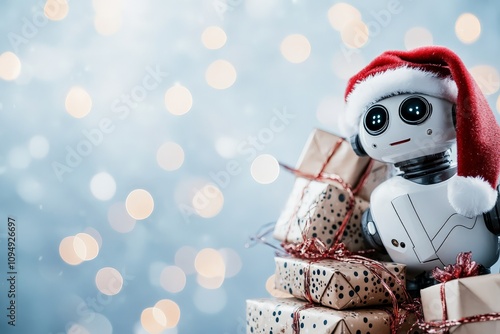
x=173, y=279
x=108, y=16
x=210, y=263
x=265, y=169
x=38, y=147
x=67, y=251
x=355, y=34
x=153, y=320
x=178, y=100
x=119, y=219
x=213, y=37
x=10, y=66
x=184, y=259
x=273, y=291
x=468, y=28
x=417, y=37
x=295, y=48
x=86, y=247
x=109, y=281
x=78, y=102
x=340, y=14
x=208, y=201
x=487, y=78
x=220, y=74
x=139, y=204
x=171, y=311
x=498, y=104
x=103, y=186
x=210, y=282
x=56, y=10
x=170, y=156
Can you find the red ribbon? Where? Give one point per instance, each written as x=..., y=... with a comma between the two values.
x=464, y=267
x=444, y=326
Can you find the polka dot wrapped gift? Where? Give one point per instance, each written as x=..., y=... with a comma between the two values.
x=276, y=316
x=330, y=173
x=339, y=285
x=317, y=210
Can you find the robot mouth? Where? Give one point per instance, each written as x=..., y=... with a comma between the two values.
x=400, y=142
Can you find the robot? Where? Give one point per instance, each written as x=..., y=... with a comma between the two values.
x=409, y=108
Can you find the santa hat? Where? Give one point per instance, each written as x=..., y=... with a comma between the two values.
x=437, y=71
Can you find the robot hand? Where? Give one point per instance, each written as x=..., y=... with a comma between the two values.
x=492, y=217
x=370, y=232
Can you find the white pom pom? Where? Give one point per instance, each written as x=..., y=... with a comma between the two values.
x=471, y=196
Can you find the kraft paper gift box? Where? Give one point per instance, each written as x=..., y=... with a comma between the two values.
x=318, y=209
x=344, y=162
x=265, y=316
x=465, y=297
x=339, y=285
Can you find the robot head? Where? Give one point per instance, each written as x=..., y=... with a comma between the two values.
x=406, y=126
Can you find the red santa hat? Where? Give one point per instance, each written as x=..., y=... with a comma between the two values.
x=437, y=71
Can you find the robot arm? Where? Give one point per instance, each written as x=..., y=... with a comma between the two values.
x=492, y=217
x=370, y=232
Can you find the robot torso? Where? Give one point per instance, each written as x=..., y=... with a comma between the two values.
x=419, y=227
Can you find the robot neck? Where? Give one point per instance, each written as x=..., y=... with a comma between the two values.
x=428, y=169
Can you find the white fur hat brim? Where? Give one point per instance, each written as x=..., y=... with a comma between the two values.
x=396, y=81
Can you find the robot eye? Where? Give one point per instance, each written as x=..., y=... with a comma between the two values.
x=415, y=110
x=376, y=120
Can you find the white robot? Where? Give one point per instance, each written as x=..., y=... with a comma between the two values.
x=411, y=122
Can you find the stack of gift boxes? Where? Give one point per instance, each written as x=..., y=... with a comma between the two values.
x=331, y=193
x=343, y=294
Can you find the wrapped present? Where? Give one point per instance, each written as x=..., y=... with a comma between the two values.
x=330, y=154
x=339, y=285
x=265, y=316
x=316, y=209
x=469, y=298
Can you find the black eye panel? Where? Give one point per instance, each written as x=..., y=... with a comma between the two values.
x=415, y=110
x=376, y=120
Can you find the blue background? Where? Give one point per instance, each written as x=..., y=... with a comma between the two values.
x=167, y=35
